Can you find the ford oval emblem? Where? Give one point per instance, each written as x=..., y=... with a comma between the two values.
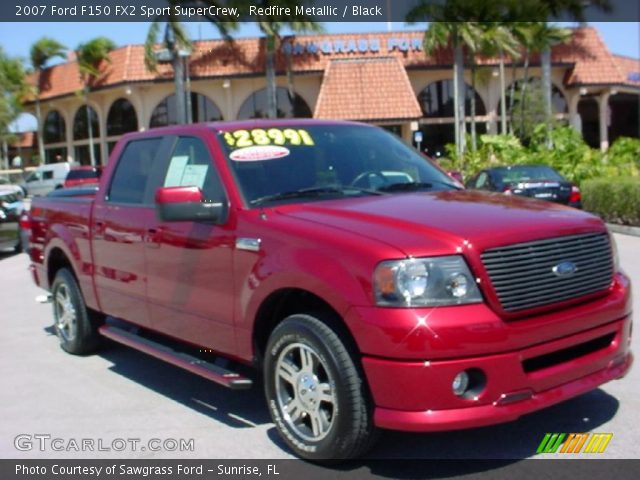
x=564, y=269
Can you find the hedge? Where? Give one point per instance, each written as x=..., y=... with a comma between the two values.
x=615, y=200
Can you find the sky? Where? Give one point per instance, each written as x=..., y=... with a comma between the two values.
x=16, y=38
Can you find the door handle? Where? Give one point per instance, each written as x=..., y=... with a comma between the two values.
x=98, y=230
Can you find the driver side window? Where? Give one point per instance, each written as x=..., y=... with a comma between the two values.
x=191, y=165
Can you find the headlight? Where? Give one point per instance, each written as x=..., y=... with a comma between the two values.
x=423, y=282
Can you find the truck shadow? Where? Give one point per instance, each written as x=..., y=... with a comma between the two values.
x=464, y=452
x=237, y=409
x=489, y=448
x=7, y=253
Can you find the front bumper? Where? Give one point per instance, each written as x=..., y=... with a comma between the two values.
x=418, y=396
x=493, y=413
x=411, y=357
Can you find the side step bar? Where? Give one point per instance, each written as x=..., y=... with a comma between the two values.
x=195, y=365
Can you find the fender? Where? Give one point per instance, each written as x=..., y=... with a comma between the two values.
x=339, y=283
x=59, y=236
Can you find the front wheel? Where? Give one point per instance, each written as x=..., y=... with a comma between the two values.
x=75, y=325
x=315, y=391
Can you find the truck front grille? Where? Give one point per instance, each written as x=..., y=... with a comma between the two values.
x=522, y=274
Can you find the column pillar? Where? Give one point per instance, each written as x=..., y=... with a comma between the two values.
x=603, y=117
x=574, y=117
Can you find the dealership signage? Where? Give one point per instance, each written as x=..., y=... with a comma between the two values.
x=353, y=45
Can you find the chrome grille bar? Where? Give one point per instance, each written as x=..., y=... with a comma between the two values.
x=522, y=275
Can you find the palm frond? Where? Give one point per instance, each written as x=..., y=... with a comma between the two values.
x=44, y=50
x=150, y=60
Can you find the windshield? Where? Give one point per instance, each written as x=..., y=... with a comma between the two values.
x=525, y=174
x=316, y=162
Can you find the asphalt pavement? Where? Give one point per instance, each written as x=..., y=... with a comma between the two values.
x=121, y=397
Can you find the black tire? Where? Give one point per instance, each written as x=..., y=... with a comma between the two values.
x=78, y=331
x=339, y=406
x=18, y=247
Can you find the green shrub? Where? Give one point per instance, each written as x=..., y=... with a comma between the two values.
x=624, y=156
x=615, y=200
x=570, y=155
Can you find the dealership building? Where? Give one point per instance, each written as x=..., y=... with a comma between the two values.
x=380, y=78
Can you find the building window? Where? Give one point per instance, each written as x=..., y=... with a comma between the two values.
x=121, y=118
x=256, y=105
x=82, y=156
x=55, y=155
x=202, y=110
x=81, y=126
x=436, y=100
x=54, y=128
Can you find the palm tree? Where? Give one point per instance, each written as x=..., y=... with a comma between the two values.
x=440, y=35
x=473, y=43
x=454, y=25
x=536, y=37
x=271, y=26
x=542, y=10
x=522, y=32
x=497, y=40
x=90, y=56
x=13, y=88
x=546, y=37
x=176, y=41
x=41, y=53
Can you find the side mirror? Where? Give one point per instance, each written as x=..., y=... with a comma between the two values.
x=187, y=204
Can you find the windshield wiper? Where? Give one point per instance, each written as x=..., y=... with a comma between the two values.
x=313, y=192
x=413, y=186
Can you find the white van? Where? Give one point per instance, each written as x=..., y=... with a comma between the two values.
x=46, y=178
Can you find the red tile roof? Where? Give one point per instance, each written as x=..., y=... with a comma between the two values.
x=592, y=62
x=25, y=140
x=630, y=68
x=367, y=89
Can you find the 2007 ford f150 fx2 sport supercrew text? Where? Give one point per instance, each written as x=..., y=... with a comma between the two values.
x=369, y=289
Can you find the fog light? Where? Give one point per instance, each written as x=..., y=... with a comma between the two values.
x=460, y=384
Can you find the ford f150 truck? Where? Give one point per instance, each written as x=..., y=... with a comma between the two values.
x=367, y=288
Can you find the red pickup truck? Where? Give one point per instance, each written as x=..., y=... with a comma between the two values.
x=361, y=281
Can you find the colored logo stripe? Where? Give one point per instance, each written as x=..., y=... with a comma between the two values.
x=573, y=443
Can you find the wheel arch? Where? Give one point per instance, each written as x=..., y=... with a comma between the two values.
x=57, y=259
x=289, y=301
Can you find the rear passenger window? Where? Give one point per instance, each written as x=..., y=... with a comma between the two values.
x=133, y=171
x=191, y=165
x=47, y=175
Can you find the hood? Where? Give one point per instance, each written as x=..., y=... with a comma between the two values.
x=439, y=223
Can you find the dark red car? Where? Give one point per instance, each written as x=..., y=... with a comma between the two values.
x=85, y=175
x=360, y=282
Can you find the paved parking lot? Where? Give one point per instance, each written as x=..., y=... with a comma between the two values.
x=121, y=394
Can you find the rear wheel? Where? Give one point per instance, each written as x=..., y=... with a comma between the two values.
x=75, y=325
x=315, y=391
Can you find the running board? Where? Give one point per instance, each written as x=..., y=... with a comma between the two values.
x=190, y=363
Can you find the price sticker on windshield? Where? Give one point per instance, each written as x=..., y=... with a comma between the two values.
x=269, y=136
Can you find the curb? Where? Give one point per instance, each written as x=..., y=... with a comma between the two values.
x=624, y=229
